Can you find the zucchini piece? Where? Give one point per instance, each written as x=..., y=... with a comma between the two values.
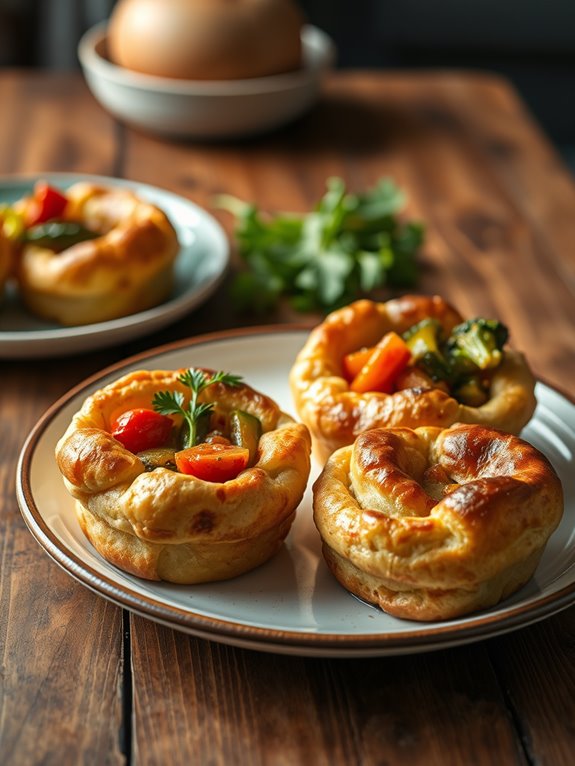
x=245, y=431
x=158, y=457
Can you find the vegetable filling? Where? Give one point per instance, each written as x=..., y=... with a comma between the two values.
x=203, y=440
x=461, y=364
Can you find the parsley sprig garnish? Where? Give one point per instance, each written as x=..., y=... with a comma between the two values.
x=172, y=402
x=347, y=246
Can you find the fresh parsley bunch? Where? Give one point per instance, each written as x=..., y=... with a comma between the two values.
x=349, y=245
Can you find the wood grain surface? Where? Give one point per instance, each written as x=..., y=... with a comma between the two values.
x=84, y=682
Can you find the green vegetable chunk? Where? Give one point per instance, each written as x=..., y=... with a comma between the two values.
x=424, y=337
x=58, y=235
x=158, y=457
x=479, y=341
x=348, y=245
x=426, y=342
x=245, y=431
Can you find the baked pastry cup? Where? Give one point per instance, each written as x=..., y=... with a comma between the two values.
x=126, y=268
x=161, y=524
x=430, y=523
x=336, y=414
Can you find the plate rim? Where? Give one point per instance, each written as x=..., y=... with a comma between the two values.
x=305, y=643
x=167, y=311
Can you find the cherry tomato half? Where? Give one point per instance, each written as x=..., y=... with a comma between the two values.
x=213, y=462
x=46, y=203
x=142, y=429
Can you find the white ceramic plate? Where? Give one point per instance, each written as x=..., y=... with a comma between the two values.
x=200, y=266
x=291, y=604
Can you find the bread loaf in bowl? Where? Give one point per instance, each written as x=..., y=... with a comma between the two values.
x=206, y=39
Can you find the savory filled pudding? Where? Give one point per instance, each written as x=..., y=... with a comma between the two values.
x=412, y=361
x=92, y=253
x=430, y=524
x=187, y=476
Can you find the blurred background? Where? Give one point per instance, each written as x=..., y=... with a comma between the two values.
x=530, y=42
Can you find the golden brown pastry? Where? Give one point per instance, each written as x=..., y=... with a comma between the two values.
x=430, y=524
x=335, y=414
x=126, y=268
x=162, y=524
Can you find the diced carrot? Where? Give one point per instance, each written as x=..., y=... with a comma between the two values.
x=387, y=360
x=353, y=362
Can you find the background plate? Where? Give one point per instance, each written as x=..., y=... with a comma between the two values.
x=200, y=266
x=291, y=604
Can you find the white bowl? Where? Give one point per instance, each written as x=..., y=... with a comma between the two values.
x=205, y=109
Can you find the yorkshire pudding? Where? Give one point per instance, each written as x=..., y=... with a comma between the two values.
x=336, y=414
x=430, y=524
x=161, y=524
x=127, y=267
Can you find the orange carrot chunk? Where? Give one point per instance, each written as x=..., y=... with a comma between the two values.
x=353, y=362
x=387, y=360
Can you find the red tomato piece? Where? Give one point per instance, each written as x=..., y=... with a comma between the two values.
x=213, y=462
x=142, y=429
x=46, y=203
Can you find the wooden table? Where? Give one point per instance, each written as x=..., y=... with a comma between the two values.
x=85, y=682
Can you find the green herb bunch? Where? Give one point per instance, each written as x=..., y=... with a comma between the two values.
x=173, y=402
x=349, y=245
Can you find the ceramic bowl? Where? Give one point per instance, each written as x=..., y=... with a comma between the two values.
x=205, y=109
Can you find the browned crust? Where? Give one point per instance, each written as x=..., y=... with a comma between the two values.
x=145, y=522
x=335, y=415
x=431, y=523
x=128, y=268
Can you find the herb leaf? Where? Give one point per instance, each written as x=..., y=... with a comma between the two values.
x=347, y=246
x=172, y=402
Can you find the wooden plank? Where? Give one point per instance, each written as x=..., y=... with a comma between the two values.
x=54, y=124
x=62, y=654
x=202, y=702
x=535, y=668
x=61, y=645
